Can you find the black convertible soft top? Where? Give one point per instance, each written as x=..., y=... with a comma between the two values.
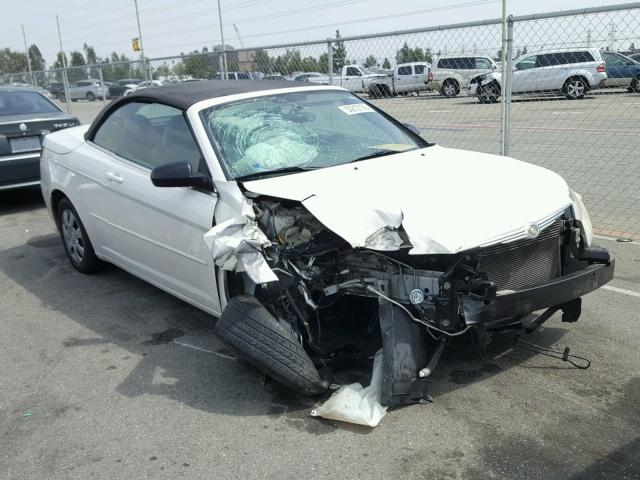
x=185, y=94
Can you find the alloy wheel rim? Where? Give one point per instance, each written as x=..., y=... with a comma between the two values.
x=449, y=89
x=576, y=88
x=487, y=94
x=72, y=235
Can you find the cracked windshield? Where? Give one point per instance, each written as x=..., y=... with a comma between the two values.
x=298, y=131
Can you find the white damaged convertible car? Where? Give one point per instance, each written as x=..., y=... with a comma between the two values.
x=318, y=228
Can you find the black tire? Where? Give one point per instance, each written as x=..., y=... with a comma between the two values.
x=374, y=92
x=450, y=88
x=85, y=261
x=575, y=88
x=488, y=93
x=635, y=85
x=74, y=99
x=269, y=345
x=91, y=97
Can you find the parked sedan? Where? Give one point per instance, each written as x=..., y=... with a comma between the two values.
x=622, y=71
x=118, y=88
x=56, y=89
x=313, y=224
x=26, y=116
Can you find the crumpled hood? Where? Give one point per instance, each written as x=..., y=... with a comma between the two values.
x=447, y=200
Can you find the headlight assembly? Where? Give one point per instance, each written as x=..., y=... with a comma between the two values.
x=583, y=215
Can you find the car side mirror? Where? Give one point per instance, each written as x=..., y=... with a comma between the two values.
x=413, y=128
x=177, y=174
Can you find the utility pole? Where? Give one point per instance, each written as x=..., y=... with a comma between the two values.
x=503, y=55
x=65, y=80
x=224, y=51
x=26, y=49
x=142, y=57
x=612, y=37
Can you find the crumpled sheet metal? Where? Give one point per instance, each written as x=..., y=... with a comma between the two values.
x=355, y=404
x=236, y=244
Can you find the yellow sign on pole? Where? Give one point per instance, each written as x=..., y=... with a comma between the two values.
x=135, y=43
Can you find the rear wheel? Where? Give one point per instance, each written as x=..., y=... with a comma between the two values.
x=75, y=239
x=450, y=88
x=575, y=88
x=74, y=99
x=635, y=85
x=91, y=97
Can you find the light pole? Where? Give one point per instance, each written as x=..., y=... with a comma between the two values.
x=26, y=49
x=142, y=57
x=224, y=52
x=65, y=80
x=503, y=103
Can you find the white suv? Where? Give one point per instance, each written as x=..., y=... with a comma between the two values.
x=573, y=72
x=451, y=73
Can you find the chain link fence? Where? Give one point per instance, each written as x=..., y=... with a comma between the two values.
x=567, y=96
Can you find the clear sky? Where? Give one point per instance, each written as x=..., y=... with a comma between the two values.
x=173, y=26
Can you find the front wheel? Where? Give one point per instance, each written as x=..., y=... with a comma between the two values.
x=91, y=97
x=575, y=88
x=269, y=344
x=488, y=93
x=635, y=85
x=75, y=239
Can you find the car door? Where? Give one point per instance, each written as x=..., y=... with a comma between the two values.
x=550, y=72
x=404, y=78
x=420, y=76
x=618, y=69
x=73, y=90
x=524, y=74
x=352, y=79
x=155, y=233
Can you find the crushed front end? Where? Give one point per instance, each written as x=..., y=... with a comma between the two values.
x=344, y=303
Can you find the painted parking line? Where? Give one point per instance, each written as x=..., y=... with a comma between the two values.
x=200, y=349
x=624, y=291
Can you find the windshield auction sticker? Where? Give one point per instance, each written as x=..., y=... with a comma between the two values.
x=355, y=108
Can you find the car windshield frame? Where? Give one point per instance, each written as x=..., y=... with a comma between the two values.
x=41, y=100
x=410, y=139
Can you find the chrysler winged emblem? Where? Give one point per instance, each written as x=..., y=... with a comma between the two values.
x=532, y=230
x=23, y=127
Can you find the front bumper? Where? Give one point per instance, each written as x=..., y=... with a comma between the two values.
x=555, y=293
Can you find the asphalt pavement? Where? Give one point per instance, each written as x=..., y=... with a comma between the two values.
x=107, y=377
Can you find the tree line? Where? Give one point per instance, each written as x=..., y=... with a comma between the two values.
x=202, y=63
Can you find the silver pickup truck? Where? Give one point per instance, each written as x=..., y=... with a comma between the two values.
x=405, y=78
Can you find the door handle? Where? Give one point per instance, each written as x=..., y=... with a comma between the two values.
x=113, y=177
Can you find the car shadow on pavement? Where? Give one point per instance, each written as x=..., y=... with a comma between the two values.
x=179, y=356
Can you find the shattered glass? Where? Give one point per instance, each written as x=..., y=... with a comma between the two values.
x=313, y=129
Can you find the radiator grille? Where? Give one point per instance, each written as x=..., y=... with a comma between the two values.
x=524, y=262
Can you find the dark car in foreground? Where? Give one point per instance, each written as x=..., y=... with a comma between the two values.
x=26, y=116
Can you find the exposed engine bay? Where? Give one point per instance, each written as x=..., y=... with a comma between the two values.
x=343, y=304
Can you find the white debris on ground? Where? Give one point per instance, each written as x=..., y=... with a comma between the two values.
x=355, y=403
